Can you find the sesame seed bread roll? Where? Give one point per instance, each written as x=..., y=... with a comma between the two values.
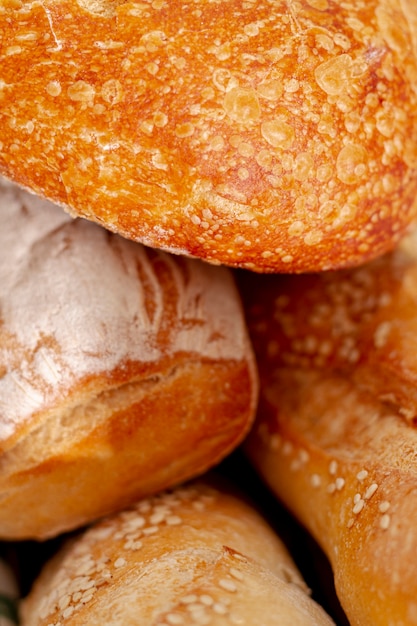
x=123, y=369
x=274, y=136
x=335, y=435
x=197, y=555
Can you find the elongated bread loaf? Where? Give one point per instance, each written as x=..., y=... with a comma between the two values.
x=276, y=136
x=194, y=556
x=123, y=370
x=335, y=436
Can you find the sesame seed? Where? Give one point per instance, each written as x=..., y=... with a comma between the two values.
x=174, y=619
x=236, y=573
x=120, y=562
x=87, y=595
x=190, y=599
x=64, y=602
x=370, y=491
x=287, y=448
x=219, y=608
x=358, y=506
x=227, y=585
x=157, y=518
x=333, y=467
x=86, y=584
x=150, y=530
x=315, y=480
x=362, y=475
x=384, y=506
x=385, y=520
x=200, y=617
x=206, y=599
x=197, y=611
x=350, y=523
x=331, y=488
x=340, y=483
x=80, y=582
x=86, y=568
x=173, y=520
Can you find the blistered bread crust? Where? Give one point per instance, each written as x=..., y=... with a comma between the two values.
x=193, y=556
x=335, y=435
x=123, y=369
x=272, y=136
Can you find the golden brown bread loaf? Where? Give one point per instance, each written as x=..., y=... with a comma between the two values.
x=123, y=369
x=335, y=436
x=275, y=136
x=194, y=556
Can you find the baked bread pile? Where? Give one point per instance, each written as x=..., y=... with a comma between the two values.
x=209, y=245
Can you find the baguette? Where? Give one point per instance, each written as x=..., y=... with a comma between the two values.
x=276, y=136
x=123, y=370
x=197, y=555
x=335, y=434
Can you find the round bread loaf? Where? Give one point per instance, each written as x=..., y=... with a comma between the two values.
x=275, y=136
x=190, y=557
x=123, y=369
x=335, y=436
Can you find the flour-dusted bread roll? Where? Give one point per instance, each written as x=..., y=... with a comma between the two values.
x=275, y=136
x=123, y=370
x=335, y=437
x=197, y=555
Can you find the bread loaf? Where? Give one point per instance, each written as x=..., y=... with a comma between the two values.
x=197, y=555
x=335, y=436
x=123, y=370
x=275, y=136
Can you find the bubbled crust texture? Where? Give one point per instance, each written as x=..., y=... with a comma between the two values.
x=335, y=436
x=190, y=557
x=123, y=369
x=271, y=136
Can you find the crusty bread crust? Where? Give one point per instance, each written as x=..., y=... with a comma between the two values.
x=194, y=556
x=124, y=369
x=335, y=436
x=273, y=136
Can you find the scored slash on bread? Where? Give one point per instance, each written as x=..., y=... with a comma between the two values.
x=123, y=370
